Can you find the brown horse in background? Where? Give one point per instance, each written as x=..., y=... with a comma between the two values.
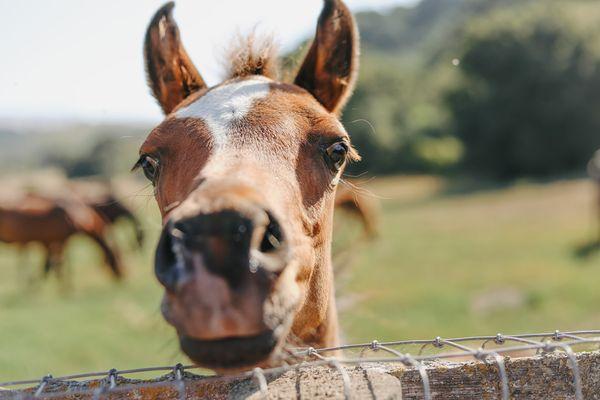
x=101, y=197
x=52, y=222
x=361, y=206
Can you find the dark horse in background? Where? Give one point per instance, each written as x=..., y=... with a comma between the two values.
x=51, y=222
x=592, y=246
x=102, y=198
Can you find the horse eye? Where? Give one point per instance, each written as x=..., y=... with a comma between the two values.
x=150, y=167
x=336, y=155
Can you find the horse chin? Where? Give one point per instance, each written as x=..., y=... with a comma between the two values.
x=232, y=354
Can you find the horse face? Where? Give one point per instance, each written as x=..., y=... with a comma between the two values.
x=244, y=176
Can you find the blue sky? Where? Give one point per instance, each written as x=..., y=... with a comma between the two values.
x=82, y=59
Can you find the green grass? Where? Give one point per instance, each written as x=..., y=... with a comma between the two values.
x=512, y=249
x=90, y=324
x=447, y=263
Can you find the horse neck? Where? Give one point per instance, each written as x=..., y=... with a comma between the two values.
x=316, y=323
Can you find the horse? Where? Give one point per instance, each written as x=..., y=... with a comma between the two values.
x=363, y=207
x=245, y=176
x=593, y=169
x=52, y=222
x=103, y=200
x=353, y=202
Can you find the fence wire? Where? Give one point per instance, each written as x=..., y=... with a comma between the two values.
x=488, y=349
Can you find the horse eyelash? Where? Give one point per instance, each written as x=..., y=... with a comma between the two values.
x=138, y=164
x=353, y=155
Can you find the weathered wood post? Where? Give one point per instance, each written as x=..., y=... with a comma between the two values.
x=543, y=376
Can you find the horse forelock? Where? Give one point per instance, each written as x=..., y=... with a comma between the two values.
x=252, y=55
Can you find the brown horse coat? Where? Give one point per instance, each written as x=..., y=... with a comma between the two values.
x=51, y=222
x=245, y=175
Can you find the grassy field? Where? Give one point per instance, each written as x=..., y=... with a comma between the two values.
x=447, y=262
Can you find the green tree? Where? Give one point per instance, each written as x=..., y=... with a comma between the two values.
x=530, y=99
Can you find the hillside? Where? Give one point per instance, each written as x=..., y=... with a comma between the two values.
x=400, y=118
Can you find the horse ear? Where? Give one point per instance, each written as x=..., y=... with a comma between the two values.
x=330, y=68
x=170, y=72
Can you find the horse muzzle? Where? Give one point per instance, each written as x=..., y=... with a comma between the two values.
x=219, y=268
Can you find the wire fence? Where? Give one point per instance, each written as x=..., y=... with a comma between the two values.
x=412, y=355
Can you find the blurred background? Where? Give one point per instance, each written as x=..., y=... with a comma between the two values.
x=476, y=121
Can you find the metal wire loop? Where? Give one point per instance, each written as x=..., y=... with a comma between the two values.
x=373, y=346
x=409, y=361
x=178, y=374
x=259, y=377
x=574, y=368
x=437, y=343
x=42, y=385
x=345, y=378
x=483, y=356
x=112, y=378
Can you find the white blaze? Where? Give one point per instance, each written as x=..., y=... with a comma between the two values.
x=224, y=105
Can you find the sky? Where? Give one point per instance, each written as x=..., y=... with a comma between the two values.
x=82, y=59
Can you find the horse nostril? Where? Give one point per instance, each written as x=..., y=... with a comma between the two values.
x=220, y=242
x=273, y=237
x=169, y=268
